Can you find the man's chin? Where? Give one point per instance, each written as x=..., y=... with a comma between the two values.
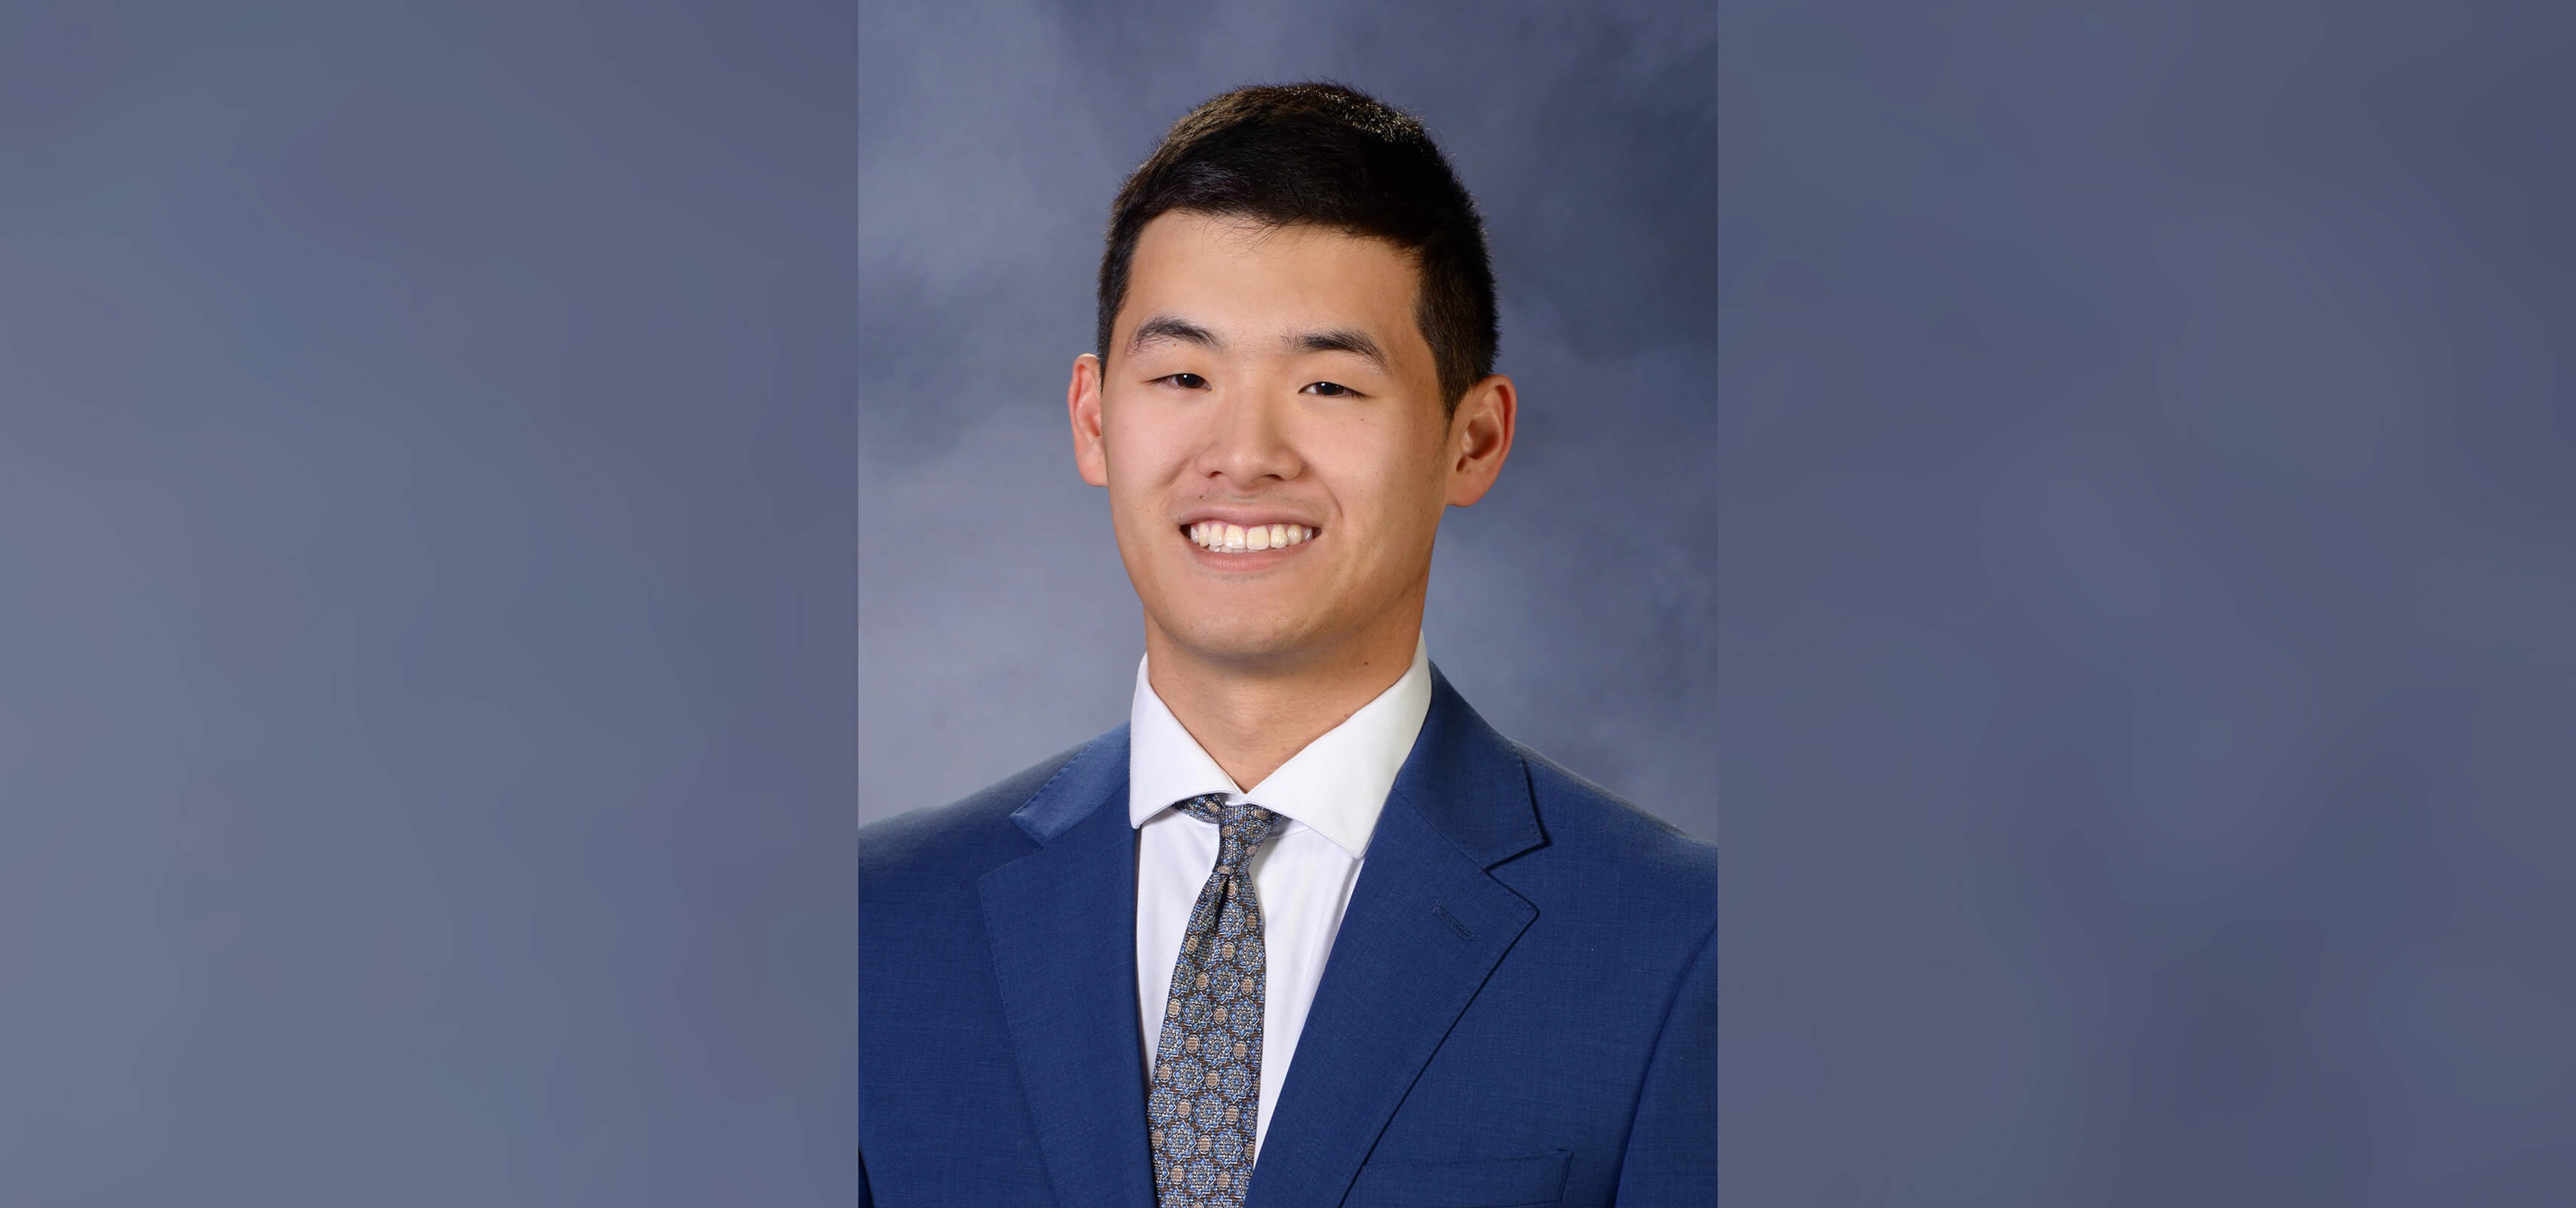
x=1247, y=646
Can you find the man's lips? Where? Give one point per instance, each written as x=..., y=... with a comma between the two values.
x=1231, y=538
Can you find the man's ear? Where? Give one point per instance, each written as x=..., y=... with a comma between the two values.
x=1082, y=405
x=1480, y=436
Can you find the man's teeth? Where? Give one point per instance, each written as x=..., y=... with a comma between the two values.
x=1236, y=538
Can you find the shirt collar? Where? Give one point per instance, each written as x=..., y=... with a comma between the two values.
x=1336, y=785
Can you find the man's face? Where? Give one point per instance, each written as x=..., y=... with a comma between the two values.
x=1271, y=433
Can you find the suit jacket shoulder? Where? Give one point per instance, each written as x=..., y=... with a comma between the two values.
x=1653, y=859
x=965, y=836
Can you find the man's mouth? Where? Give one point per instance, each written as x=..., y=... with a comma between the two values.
x=1217, y=536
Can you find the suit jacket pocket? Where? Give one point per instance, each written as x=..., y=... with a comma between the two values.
x=1529, y=1182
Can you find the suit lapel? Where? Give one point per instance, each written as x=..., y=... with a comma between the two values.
x=1425, y=927
x=1062, y=923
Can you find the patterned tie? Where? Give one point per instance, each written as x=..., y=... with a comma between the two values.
x=1207, y=1065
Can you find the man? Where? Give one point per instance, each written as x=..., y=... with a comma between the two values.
x=1413, y=963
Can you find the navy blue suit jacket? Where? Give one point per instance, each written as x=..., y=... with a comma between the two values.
x=1520, y=1007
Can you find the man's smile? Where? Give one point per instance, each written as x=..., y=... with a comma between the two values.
x=1252, y=544
x=1223, y=537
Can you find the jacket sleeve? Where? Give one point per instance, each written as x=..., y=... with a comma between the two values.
x=1672, y=1142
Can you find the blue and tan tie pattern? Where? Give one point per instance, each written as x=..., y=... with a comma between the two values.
x=1207, y=1065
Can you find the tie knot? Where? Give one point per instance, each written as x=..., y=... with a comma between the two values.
x=1241, y=826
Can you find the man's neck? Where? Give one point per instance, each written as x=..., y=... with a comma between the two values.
x=1251, y=720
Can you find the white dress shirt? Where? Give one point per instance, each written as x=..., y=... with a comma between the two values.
x=1330, y=793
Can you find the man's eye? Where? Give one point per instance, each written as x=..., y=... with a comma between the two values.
x=1186, y=381
x=1328, y=389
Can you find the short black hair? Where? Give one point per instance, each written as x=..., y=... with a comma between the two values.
x=1331, y=156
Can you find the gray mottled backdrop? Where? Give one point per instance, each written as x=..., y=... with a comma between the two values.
x=2148, y=609
x=1575, y=607
x=425, y=595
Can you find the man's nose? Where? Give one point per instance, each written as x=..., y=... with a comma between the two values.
x=1250, y=440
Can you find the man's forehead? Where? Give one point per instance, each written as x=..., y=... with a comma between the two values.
x=1170, y=328
x=1245, y=281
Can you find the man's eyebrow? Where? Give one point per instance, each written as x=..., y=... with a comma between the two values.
x=1172, y=327
x=1342, y=339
